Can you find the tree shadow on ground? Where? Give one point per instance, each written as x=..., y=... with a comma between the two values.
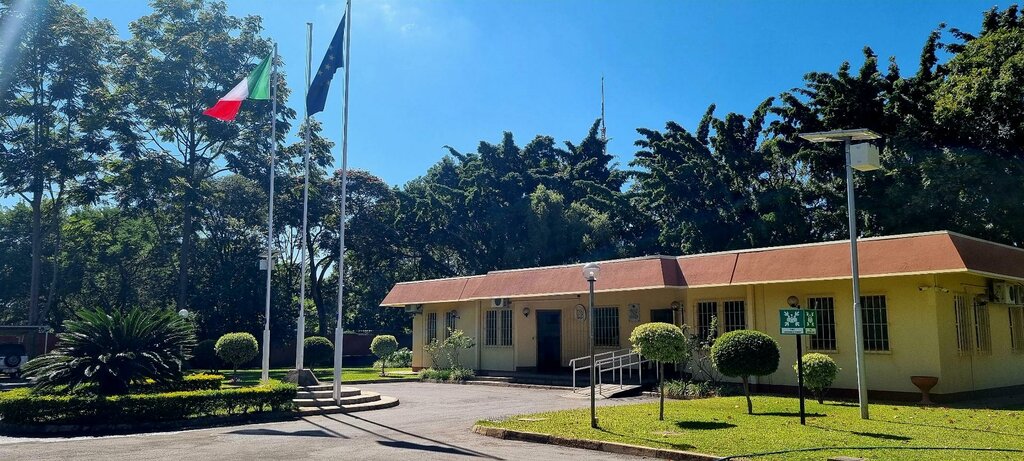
x=703, y=425
x=879, y=435
x=795, y=414
x=677, y=446
x=303, y=433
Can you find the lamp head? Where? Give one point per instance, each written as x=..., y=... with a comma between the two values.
x=591, y=271
x=183, y=313
x=793, y=301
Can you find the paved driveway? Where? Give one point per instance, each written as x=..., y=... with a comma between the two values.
x=432, y=423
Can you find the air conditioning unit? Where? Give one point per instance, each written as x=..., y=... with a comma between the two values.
x=1007, y=293
x=500, y=303
x=414, y=309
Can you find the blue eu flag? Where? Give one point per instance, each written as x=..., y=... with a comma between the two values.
x=333, y=60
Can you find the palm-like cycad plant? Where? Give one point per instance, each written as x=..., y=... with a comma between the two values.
x=113, y=350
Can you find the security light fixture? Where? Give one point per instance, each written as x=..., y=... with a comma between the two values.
x=183, y=313
x=591, y=271
x=526, y=312
x=856, y=134
x=793, y=301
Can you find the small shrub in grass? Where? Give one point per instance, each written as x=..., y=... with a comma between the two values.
x=383, y=346
x=435, y=374
x=745, y=353
x=236, y=349
x=691, y=390
x=819, y=373
x=459, y=375
x=318, y=351
x=21, y=406
x=204, y=356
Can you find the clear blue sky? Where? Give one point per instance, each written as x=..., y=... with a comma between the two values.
x=430, y=73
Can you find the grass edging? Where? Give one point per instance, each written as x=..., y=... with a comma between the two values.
x=64, y=430
x=596, y=445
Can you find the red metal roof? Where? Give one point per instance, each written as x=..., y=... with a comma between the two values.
x=932, y=252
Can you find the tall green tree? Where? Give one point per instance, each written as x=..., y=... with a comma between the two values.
x=178, y=61
x=53, y=107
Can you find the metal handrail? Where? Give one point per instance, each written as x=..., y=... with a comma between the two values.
x=620, y=360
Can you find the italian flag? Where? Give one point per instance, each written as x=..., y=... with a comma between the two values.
x=255, y=86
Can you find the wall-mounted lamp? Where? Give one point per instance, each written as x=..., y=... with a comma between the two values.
x=526, y=312
x=675, y=305
x=454, y=314
x=793, y=301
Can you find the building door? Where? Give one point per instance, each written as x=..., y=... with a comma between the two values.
x=549, y=340
x=662, y=315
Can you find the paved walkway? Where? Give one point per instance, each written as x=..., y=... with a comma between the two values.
x=432, y=423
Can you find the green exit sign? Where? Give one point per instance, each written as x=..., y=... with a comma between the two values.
x=798, y=322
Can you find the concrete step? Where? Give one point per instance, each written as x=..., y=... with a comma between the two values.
x=324, y=387
x=492, y=379
x=363, y=397
x=381, y=403
x=326, y=394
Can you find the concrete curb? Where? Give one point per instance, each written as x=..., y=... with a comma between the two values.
x=596, y=445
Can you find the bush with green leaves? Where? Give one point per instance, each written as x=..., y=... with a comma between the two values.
x=745, y=353
x=450, y=375
x=318, y=351
x=204, y=356
x=236, y=349
x=661, y=342
x=691, y=389
x=23, y=407
x=445, y=353
x=110, y=351
x=383, y=346
x=402, y=358
x=819, y=373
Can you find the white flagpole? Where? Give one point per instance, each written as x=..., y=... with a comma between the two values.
x=300, y=328
x=270, y=215
x=339, y=331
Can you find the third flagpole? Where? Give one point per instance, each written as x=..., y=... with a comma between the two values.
x=339, y=331
x=265, y=375
x=300, y=328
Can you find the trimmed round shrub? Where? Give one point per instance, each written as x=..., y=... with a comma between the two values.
x=383, y=346
x=745, y=353
x=819, y=373
x=318, y=350
x=204, y=356
x=661, y=342
x=236, y=349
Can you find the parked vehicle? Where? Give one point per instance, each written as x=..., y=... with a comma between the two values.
x=12, y=358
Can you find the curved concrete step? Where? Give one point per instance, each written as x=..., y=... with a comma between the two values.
x=326, y=394
x=362, y=397
x=381, y=403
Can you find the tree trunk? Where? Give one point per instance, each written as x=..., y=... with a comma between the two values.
x=37, y=247
x=51, y=297
x=185, y=252
x=746, y=392
x=661, y=387
x=820, y=395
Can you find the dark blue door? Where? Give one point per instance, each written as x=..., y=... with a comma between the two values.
x=549, y=340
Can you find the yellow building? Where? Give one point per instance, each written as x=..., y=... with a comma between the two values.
x=934, y=304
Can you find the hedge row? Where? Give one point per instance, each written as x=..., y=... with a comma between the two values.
x=20, y=406
x=193, y=382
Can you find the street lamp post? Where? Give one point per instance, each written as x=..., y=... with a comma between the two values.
x=183, y=314
x=590, y=272
x=847, y=136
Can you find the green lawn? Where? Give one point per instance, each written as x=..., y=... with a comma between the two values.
x=721, y=427
x=252, y=377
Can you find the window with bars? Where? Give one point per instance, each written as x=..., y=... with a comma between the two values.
x=735, y=315
x=431, y=327
x=707, y=311
x=606, y=326
x=491, y=328
x=450, y=322
x=825, y=338
x=506, y=328
x=982, y=329
x=875, y=322
x=498, y=327
x=1017, y=328
x=963, y=324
